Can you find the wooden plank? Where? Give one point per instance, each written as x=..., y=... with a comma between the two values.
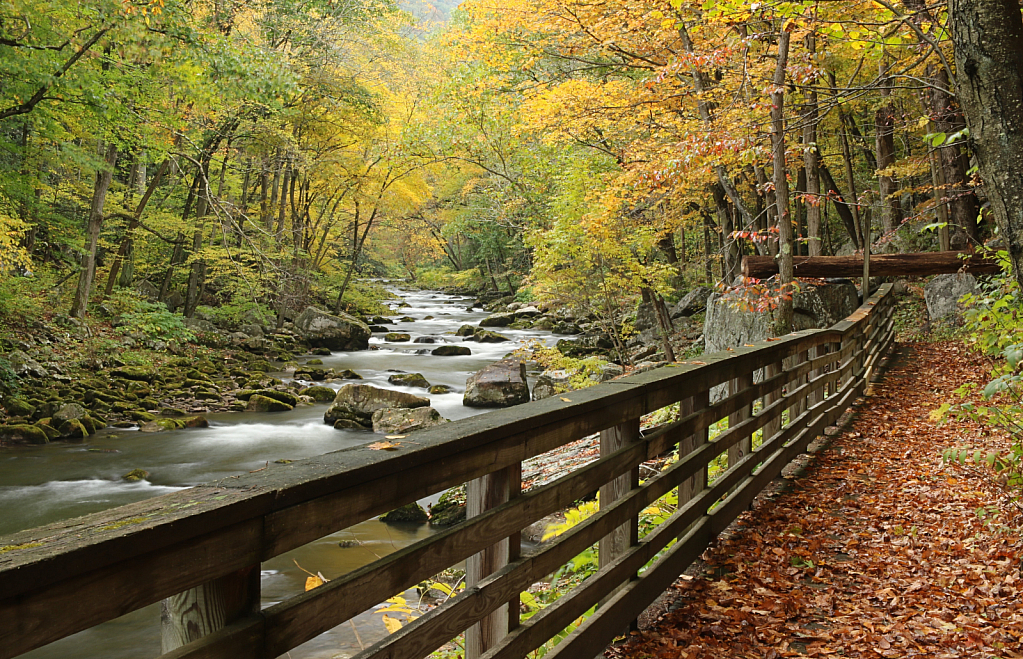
x=737, y=450
x=198, y=612
x=618, y=541
x=58, y=610
x=483, y=494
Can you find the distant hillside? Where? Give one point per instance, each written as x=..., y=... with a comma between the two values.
x=433, y=11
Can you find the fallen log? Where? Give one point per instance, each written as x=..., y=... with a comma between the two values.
x=881, y=265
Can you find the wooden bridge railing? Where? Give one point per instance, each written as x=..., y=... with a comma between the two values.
x=200, y=549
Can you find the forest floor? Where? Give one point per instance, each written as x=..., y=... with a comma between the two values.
x=875, y=550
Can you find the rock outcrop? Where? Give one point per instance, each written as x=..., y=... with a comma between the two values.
x=943, y=292
x=335, y=332
x=402, y=420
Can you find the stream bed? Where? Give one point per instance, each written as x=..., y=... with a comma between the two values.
x=43, y=484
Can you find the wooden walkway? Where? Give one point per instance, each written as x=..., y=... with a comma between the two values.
x=200, y=549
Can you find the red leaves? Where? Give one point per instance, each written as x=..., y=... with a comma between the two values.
x=876, y=552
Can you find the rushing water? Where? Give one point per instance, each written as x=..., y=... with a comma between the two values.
x=42, y=484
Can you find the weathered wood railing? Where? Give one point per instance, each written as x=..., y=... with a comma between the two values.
x=203, y=546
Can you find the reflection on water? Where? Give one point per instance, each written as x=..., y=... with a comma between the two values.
x=43, y=484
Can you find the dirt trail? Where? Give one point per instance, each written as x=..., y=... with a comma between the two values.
x=876, y=551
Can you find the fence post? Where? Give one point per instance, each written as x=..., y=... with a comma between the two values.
x=698, y=481
x=482, y=494
x=738, y=451
x=774, y=425
x=202, y=610
x=615, y=544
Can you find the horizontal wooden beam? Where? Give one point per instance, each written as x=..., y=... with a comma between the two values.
x=881, y=265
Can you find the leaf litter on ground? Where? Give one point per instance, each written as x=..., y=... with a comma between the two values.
x=876, y=551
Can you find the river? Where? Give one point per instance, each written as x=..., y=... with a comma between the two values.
x=42, y=484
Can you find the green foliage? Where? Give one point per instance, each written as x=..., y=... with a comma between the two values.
x=9, y=381
x=240, y=312
x=155, y=321
x=994, y=325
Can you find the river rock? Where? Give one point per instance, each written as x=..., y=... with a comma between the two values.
x=425, y=339
x=260, y=403
x=552, y=382
x=335, y=332
x=136, y=373
x=412, y=513
x=527, y=312
x=23, y=365
x=487, y=336
x=501, y=384
x=450, y=351
x=441, y=389
x=159, y=425
x=466, y=330
x=73, y=429
x=23, y=433
x=409, y=380
x=19, y=407
x=379, y=328
x=397, y=337
x=201, y=326
x=942, y=295
x=136, y=475
x=399, y=420
x=348, y=374
x=358, y=402
x=320, y=394
x=69, y=411
x=692, y=302
x=498, y=320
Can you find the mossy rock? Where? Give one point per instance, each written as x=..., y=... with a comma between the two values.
x=260, y=403
x=323, y=352
x=379, y=328
x=237, y=406
x=141, y=416
x=261, y=365
x=447, y=513
x=23, y=433
x=92, y=425
x=397, y=337
x=161, y=425
x=348, y=374
x=137, y=373
x=51, y=432
x=450, y=351
x=406, y=319
x=489, y=336
x=199, y=383
x=207, y=395
x=123, y=424
x=197, y=421
x=19, y=407
x=441, y=389
x=319, y=393
x=245, y=394
x=282, y=396
x=412, y=513
x=409, y=380
x=314, y=362
x=73, y=429
x=122, y=406
x=136, y=475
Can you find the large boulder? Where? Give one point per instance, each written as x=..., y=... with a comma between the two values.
x=814, y=307
x=450, y=351
x=646, y=316
x=409, y=380
x=23, y=434
x=335, y=332
x=943, y=292
x=591, y=344
x=403, y=420
x=692, y=302
x=498, y=320
x=501, y=384
x=358, y=402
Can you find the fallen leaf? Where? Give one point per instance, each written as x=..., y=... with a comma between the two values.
x=313, y=582
x=567, y=400
x=384, y=446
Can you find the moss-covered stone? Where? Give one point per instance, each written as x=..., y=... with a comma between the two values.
x=282, y=396
x=136, y=475
x=409, y=380
x=73, y=429
x=397, y=337
x=450, y=509
x=140, y=416
x=160, y=425
x=134, y=373
x=23, y=433
x=197, y=421
x=348, y=374
x=412, y=513
x=19, y=407
x=319, y=393
x=441, y=389
x=449, y=351
x=349, y=424
x=260, y=403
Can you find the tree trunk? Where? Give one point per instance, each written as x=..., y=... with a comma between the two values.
x=954, y=163
x=882, y=265
x=813, y=186
x=729, y=268
x=888, y=189
x=843, y=207
x=99, y=196
x=783, y=316
x=126, y=242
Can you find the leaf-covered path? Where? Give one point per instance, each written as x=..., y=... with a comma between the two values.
x=876, y=551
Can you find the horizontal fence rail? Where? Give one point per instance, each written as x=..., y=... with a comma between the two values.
x=199, y=550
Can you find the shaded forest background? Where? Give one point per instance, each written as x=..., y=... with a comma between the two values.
x=250, y=159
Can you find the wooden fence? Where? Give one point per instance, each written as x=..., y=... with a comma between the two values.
x=200, y=549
